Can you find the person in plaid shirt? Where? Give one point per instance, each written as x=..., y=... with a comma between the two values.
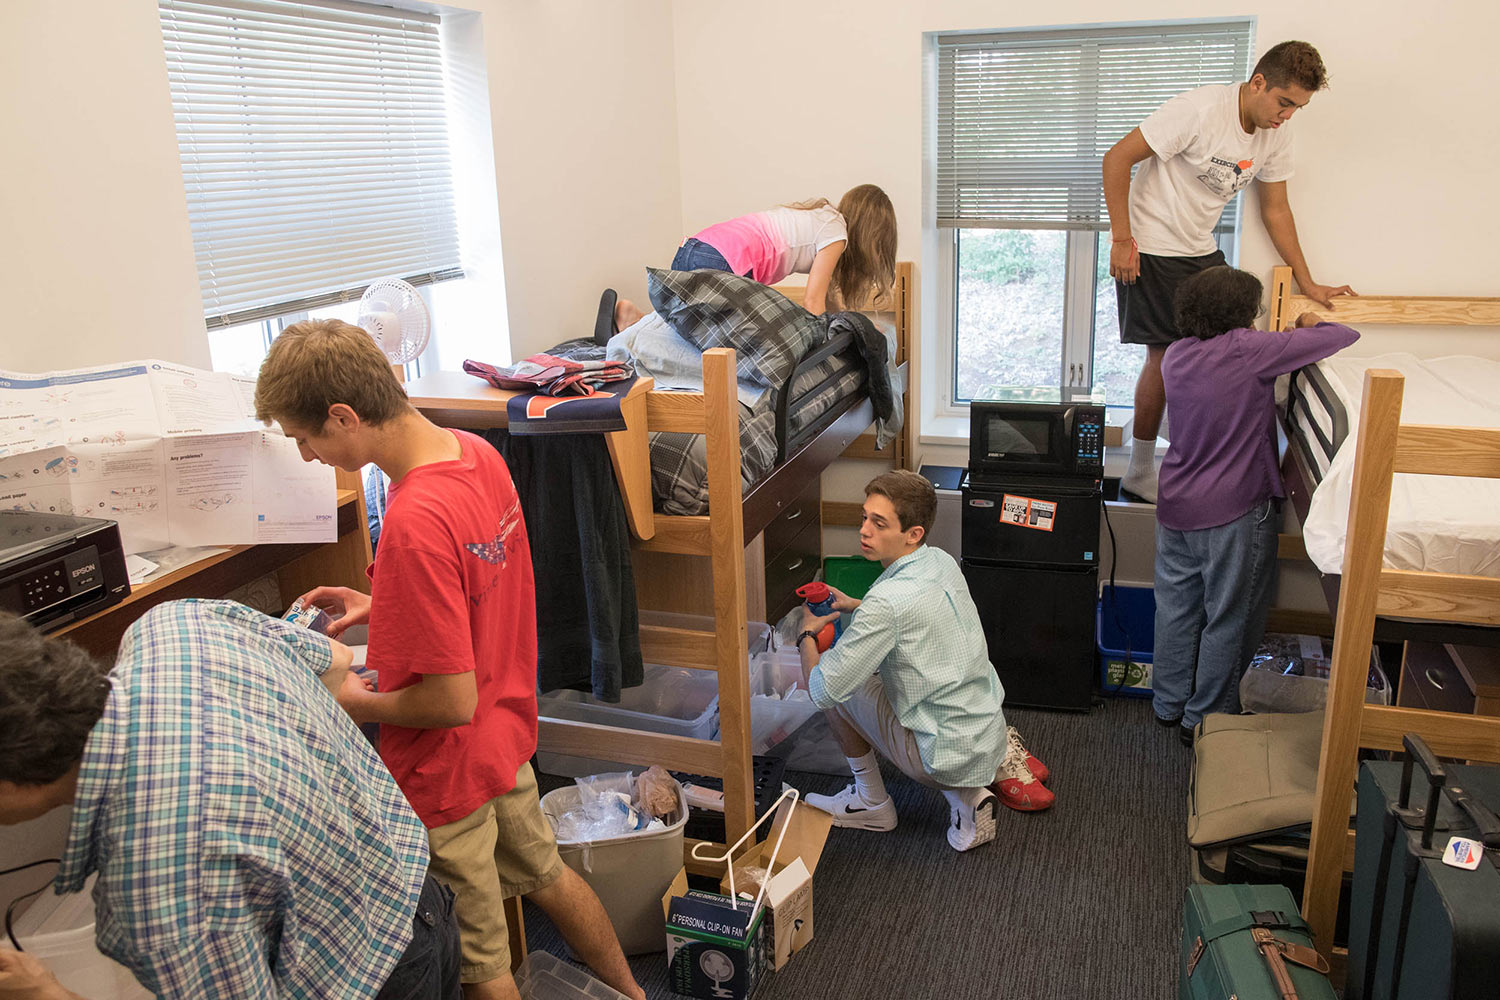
x=247, y=841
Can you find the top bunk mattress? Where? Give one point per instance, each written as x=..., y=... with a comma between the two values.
x=1443, y=524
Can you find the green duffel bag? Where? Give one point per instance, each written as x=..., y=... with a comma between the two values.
x=1248, y=942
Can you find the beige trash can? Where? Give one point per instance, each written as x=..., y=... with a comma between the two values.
x=629, y=873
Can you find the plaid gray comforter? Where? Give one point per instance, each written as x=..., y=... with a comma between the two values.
x=679, y=462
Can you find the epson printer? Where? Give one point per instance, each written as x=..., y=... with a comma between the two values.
x=55, y=569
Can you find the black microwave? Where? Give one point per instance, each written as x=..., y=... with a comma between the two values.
x=1036, y=431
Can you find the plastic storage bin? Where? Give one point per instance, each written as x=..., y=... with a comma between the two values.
x=851, y=574
x=543, y=976
x=676, y=701
x=629, y=873
x=1126, y=633
x=59, y=930
x=795, y=727
x=1289, y=673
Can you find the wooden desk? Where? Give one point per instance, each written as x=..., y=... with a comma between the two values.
x=299, y=567
x=458, y=399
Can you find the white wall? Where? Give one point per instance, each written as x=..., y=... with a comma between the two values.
x=585, y=156
x=98, y=253
x=97, y=260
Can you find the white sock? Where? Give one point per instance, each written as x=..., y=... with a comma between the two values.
x=1140, y=475
x=968, y=798
x=1142, y=457
x=867, y=780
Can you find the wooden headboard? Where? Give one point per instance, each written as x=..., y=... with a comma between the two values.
x=1413, y=310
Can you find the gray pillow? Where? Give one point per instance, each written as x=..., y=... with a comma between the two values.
x=768, y=331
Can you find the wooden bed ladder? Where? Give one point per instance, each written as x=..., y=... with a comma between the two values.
x=1385, y=447
x=718, y=535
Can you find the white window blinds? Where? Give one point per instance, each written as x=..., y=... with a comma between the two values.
x=314, y=147
x=1024, y=118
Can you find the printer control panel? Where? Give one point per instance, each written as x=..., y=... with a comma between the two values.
x=52, y=583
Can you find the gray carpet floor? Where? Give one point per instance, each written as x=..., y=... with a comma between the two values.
x=1081, y=901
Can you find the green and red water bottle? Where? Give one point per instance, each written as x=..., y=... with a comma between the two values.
x=819, y=600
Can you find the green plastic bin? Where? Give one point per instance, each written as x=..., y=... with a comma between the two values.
x=851, y=574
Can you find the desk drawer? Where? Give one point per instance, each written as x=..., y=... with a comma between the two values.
x=794, y=520
x=1430, y=679
x=790, y=568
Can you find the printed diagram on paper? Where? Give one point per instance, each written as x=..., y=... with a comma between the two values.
x=174, y=454
x=1028, y=513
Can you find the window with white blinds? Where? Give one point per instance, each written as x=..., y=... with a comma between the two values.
x=315, y=152
x=1025, y=117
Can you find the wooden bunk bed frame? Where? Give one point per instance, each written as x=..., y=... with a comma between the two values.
x=1298, y=470
x=1383, y=448
x=455, y=399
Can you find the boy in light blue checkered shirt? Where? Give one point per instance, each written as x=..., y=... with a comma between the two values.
x=911, y=678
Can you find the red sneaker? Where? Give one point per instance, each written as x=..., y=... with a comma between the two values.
x=1038, y=770
x=1019, y=789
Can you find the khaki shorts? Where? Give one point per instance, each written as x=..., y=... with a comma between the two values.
x=502, y=849
x=870, y=712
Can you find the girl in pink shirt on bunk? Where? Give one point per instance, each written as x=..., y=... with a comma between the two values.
x=847, y=252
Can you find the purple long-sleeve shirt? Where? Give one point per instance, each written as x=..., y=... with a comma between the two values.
x=1221, y=409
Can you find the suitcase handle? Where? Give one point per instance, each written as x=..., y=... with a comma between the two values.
x=1486, y=821
x=1417, y=750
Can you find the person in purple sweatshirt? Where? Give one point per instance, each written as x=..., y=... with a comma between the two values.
x=1219, y=507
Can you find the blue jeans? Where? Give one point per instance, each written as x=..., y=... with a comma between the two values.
x=428, y=969
x=695, y=255
x=1213, y=591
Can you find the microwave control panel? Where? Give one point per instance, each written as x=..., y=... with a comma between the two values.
x=1088, y=438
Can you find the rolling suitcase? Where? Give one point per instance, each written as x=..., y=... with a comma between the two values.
x=1422, y=928
x=1248, y=942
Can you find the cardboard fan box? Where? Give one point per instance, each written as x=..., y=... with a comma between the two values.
x=715, y=945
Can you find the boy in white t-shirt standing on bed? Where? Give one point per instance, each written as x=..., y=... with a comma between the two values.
x=1200, y=149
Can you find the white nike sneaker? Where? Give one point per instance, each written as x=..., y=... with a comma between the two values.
x=850, y=810
x=970, y=827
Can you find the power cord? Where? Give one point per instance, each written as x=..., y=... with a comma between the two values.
x=11, y=909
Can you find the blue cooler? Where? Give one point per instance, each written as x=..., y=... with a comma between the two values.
x=1126, y=634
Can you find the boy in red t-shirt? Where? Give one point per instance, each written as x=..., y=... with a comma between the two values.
x=452, y=618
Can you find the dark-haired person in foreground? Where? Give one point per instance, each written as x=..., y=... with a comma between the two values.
x=1219, y=511
x=1200, y=149
x=247, y=840
x=910, y=677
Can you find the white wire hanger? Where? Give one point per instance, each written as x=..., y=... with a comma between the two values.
x=728, y=855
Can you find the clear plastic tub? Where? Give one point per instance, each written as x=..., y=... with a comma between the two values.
x=780, y=709
x=676, y=701
x=542, y=976
x=59, y=930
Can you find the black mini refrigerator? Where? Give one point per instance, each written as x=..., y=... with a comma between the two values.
x=1031, y=545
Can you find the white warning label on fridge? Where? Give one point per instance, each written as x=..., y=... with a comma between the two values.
x=1028, y=513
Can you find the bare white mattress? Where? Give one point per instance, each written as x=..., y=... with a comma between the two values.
x=1443, y=524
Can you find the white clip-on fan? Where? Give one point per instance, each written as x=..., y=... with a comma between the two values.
x=394, y=314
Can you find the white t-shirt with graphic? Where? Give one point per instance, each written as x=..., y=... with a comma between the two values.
x=1202, y=158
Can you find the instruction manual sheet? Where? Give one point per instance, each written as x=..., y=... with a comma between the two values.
x=174, y=454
